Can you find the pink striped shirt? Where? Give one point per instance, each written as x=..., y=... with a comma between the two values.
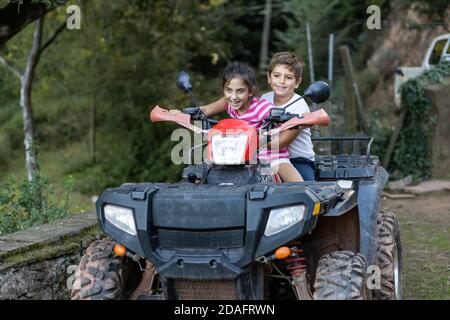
x=258, y=110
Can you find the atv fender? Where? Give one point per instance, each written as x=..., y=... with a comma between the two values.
x=367, y=201
x=369, y=195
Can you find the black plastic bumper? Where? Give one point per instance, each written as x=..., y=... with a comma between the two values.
x=210, y=232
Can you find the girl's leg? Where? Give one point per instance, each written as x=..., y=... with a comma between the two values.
x=287, y=172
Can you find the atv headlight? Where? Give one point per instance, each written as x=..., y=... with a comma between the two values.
x=228, y=149
x=282, y=218
x=121, y=218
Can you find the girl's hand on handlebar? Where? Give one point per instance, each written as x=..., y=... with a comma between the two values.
x=174, y=112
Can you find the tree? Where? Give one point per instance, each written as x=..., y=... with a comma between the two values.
x=264, y=52
x=19, y=13
x=26, y=78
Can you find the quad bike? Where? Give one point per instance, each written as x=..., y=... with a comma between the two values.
x=228, y=231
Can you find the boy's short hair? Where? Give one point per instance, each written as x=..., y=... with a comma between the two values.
x=289, y=60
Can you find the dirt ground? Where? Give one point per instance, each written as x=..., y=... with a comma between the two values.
x=425, y=235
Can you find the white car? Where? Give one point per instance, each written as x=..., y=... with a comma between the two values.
x=438, y=51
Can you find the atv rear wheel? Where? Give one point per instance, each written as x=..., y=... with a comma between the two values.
x=100, y=273
x=341, y=275
x=388, y=258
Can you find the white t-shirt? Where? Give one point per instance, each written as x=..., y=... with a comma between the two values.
x=302, y=145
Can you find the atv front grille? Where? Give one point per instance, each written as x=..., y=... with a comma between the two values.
x=221, y=239
x=205, y=289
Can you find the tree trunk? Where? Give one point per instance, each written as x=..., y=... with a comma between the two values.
x=25, y=101
x=310, y=54
x=264, y=53
x=93, y=124
x=26, y=83
x=350, y=99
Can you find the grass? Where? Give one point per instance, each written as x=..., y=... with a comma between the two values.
x=54, y=164
x=426, y=255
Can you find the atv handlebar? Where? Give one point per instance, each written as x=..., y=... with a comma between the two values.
x=319, y=117
x=197, y=114
x=289, y=121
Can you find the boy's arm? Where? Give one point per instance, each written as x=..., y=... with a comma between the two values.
x=216, y=107
x=284, y=139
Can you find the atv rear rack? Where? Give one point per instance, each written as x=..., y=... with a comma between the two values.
x=353, y=144
x=346, y=166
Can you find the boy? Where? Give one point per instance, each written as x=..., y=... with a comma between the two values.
x=284, y=76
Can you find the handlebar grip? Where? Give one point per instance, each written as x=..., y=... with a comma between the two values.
x=190, y=110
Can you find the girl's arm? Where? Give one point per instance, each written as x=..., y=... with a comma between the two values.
x=211, y=109
x=216, y=107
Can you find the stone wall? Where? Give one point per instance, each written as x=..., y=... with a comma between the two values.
x=46, y=280
x=440, y=106
x=39, y=263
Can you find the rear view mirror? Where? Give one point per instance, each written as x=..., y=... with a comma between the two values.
x=317, y=92
x=184, y=82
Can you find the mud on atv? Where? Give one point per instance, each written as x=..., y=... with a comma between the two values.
x=229, y=232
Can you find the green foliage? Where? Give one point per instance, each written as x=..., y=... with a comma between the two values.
x=124, y=61
x=381, y=134
x=345, y=19
x=437, y=9
x=5, y=147
x=143, y=47
x=48, y=3
x=413, y=149
x=24, y=204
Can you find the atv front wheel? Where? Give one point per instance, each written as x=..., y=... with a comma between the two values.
x=100, y=273
x=388, y=258
x=341, y=275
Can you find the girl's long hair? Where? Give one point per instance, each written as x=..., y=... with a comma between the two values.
x=241, y=70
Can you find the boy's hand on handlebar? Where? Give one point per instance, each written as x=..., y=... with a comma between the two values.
x=263, y=138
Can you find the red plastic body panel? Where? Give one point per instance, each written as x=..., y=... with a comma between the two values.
x=159, y=114
x=235, y=127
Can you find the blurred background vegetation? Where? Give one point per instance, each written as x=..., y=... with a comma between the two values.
x=94, y=87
